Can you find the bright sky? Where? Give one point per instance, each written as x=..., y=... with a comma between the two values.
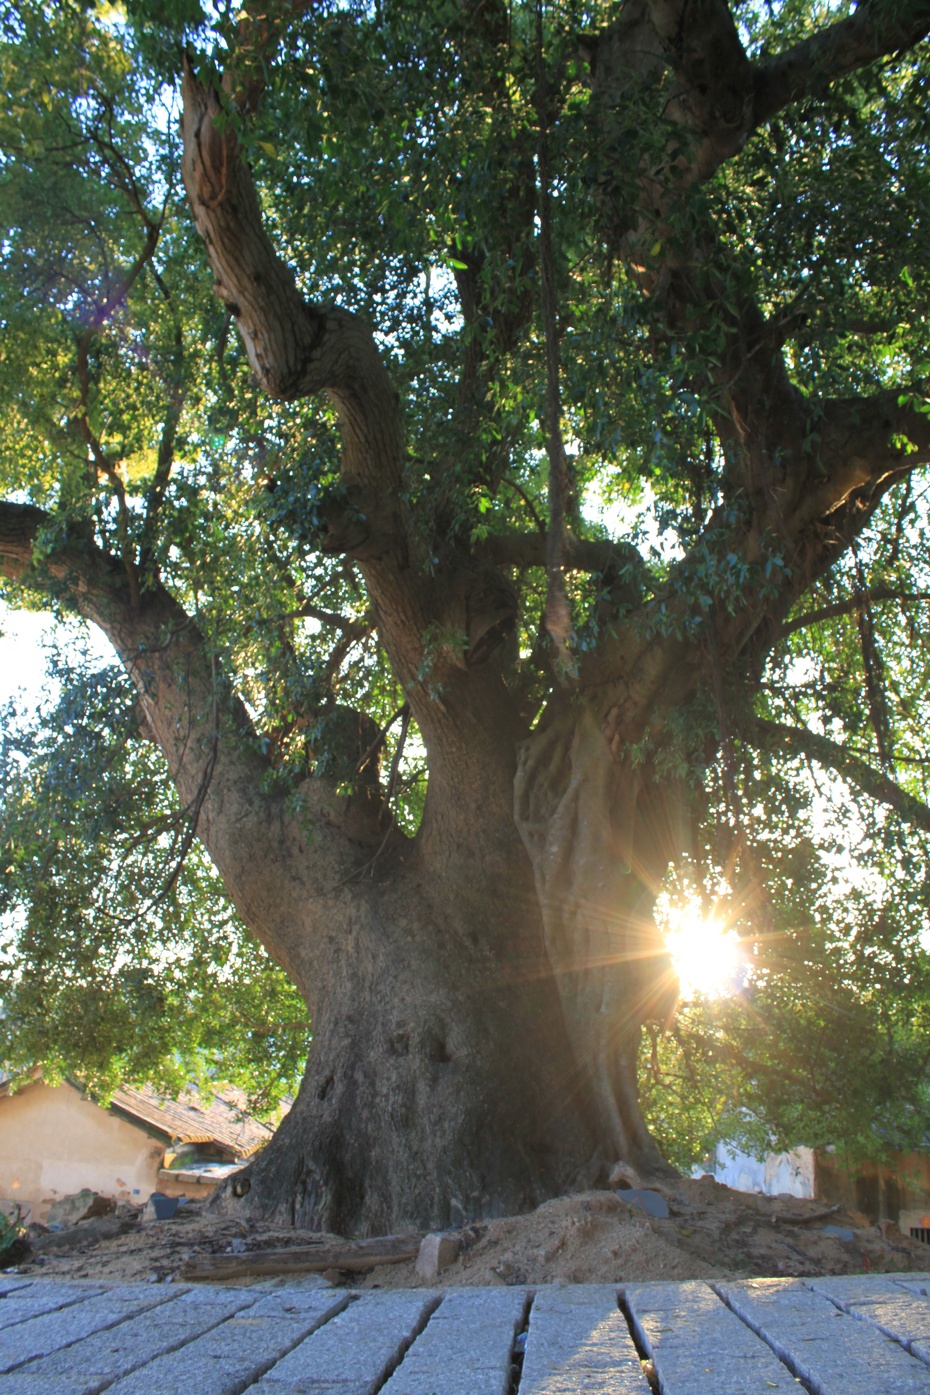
x=23, y=635
x=22, y=663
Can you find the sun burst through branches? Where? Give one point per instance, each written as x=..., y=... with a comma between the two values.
x=706, y=953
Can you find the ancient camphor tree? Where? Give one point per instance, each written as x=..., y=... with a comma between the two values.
x=441, y=726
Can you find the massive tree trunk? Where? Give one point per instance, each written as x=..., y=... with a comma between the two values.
x=475, y=1027
x=439, y=1085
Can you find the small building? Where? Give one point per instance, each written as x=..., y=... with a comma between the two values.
x=896, y=1189
x=56, y=1140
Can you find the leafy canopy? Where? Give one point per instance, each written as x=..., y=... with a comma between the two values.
x=391, y=148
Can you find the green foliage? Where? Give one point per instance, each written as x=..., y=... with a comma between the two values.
x=395, y=154
x=10, y=1231
x=825, y=1040
x=121, y=959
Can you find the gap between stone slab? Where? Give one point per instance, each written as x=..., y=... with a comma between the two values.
x=638, y=1337
x=23, y=1367
x=852, y=1310
x=813, y=1387
x=420, y=1326
x=518, y=1349
x=19, y=1367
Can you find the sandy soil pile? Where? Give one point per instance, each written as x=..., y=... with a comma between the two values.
x=593, y=1237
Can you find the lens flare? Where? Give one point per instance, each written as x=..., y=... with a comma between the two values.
x=706, y=955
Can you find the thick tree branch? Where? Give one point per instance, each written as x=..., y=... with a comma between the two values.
x=523, y=550
x=683, y=65
x=557, y=616
x=812, y=506
x=863, y=446
x=159, y=645
x=873, y=594
x=714, y=86
x=806, y=513
x=206, y=736
x=719, y=96
x=295, y=348
x=852, y=767
x=877, y=29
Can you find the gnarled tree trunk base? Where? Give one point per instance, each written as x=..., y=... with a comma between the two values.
x=440, y=1086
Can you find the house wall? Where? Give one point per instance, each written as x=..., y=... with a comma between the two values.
x=53, y=1142
x=776, y=1174
x=170, y=1184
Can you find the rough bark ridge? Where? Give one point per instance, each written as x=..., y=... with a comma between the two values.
x=598, y=860
x=478, y=992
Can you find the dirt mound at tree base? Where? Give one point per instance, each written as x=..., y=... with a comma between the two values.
x=592, y=1237
x=711, y=1232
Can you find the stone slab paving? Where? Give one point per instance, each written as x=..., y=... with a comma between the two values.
x=469, y=1339
x=97, y=1361
x=849, y=1335
x=28, y=1301
x=37, y=1335
x=579, y=1340
x=699, y=1345
x=831, y=1351
x=357, y=1352
x=9, y=1283
x=234, y=1355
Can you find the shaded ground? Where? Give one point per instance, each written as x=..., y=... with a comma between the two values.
x=710, y=1232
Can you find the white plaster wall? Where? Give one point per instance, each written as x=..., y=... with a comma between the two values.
x=791, y=1173
x=53, y=1142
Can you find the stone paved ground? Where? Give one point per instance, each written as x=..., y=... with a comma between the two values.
x=849, y=1335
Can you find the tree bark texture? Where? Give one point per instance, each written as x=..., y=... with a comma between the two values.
x=599, y=854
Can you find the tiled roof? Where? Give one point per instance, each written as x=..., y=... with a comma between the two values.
x=190, y=1119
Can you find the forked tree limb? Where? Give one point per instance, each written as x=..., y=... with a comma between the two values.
x=720, y=95
x=159, y=645
x=296, y=348
x=825, y=496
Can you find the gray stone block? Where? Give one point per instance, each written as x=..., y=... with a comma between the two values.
x=10, y=1282
x=827, y=1348
x=21, y=1305
x=914, y=1283
x=578, y=1343
x=217, y=1293
x=355, y=1352
x=465, y=1348
x=902, y=1315
x=698, y=1346
x=50, y=1331
x=96, y=1361
x=230, y=1357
